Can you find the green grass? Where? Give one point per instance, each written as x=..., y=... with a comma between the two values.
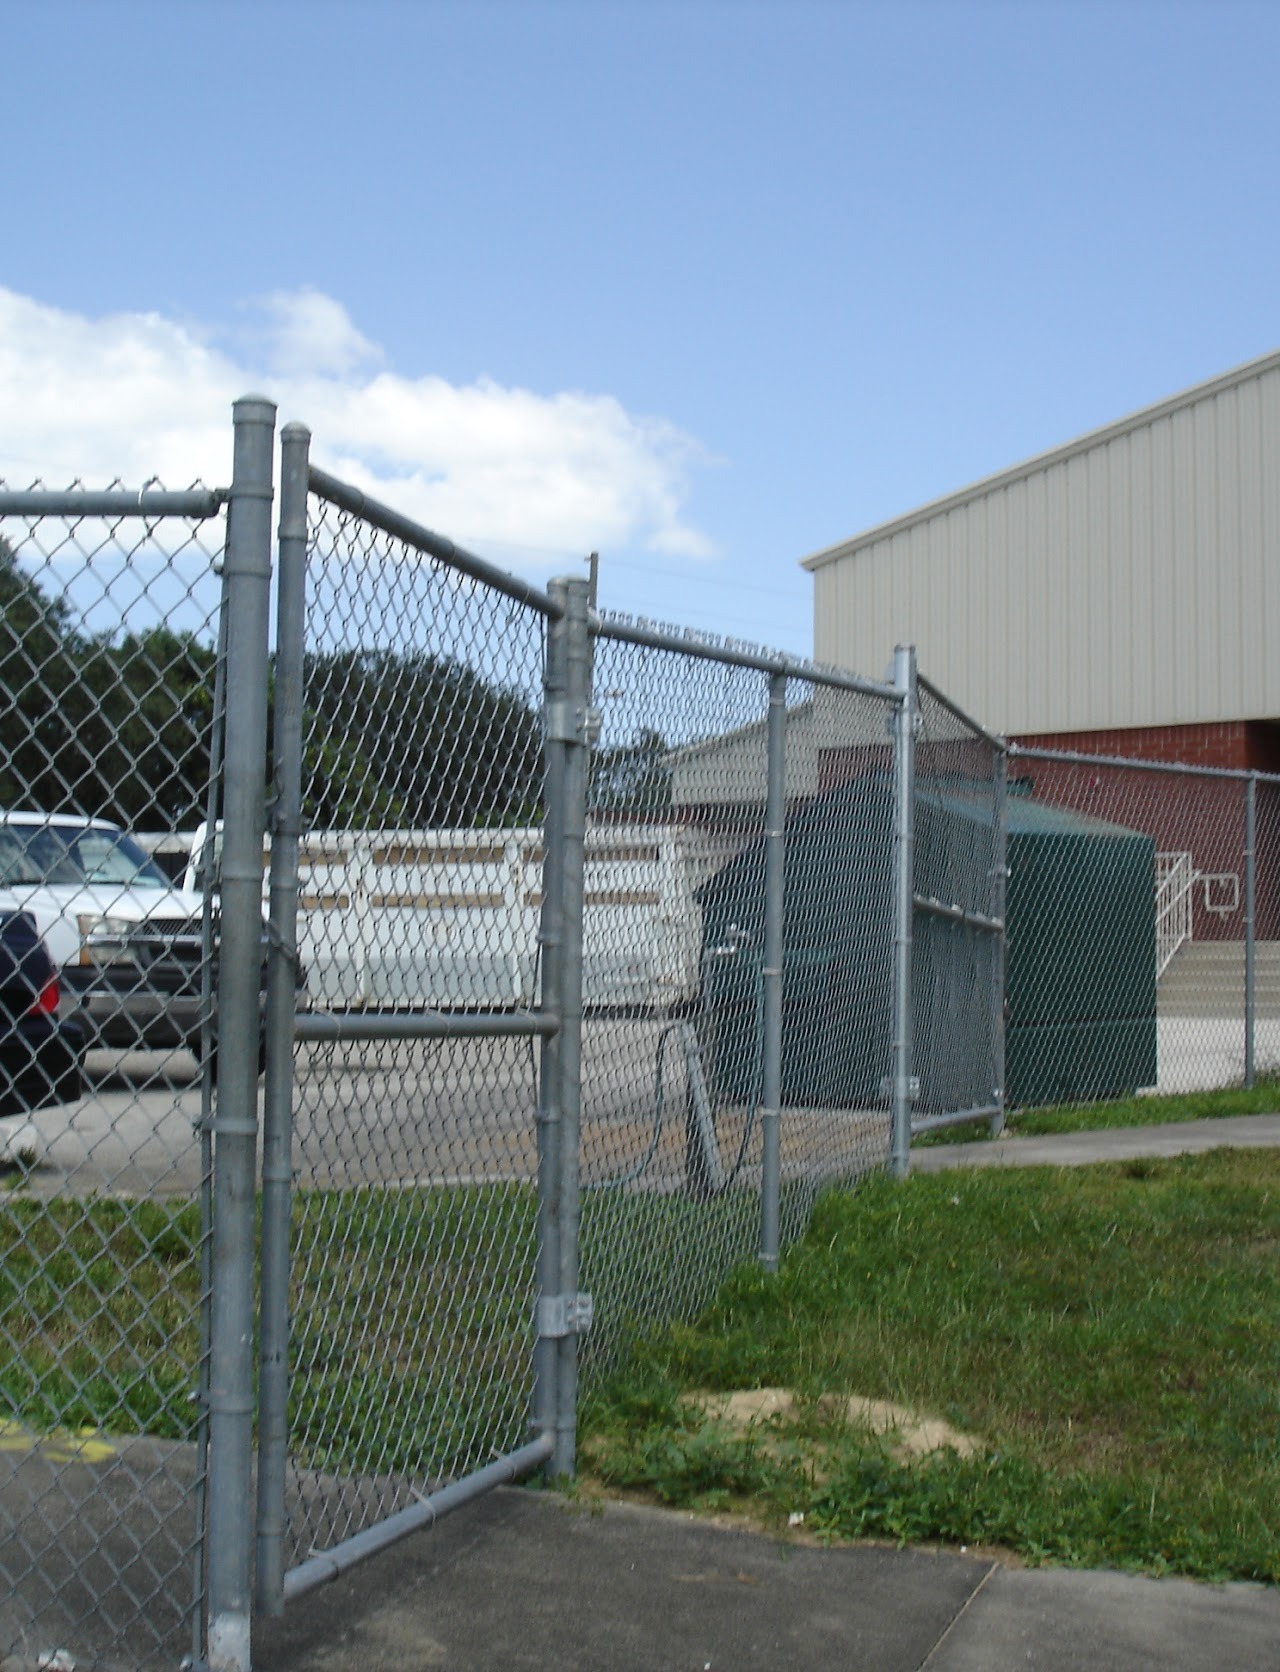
x=1112, y=1334
x=412, y=1312
x=411, y=1321
x=1261, y=1099
x=98, y=1323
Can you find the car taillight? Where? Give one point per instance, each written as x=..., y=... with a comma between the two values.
x=46, y=1002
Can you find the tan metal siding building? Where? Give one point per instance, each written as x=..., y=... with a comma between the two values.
x=1128, y=579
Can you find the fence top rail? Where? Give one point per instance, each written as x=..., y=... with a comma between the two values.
x=359, y=504
x=1182, y=769
x=709, y=649
x=197, y=504
x=954, y=709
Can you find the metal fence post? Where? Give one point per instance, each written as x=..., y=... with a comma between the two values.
x=904, y=774
x=771, y=1067
x=282, y=971
x=235, y=1124
x=546, y=1353
x=1250, y=923
x=999, y=941
x=574, y=725
x=212, y=809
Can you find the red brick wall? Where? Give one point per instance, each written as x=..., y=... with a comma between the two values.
x=1181, y=813
x=1243, y=745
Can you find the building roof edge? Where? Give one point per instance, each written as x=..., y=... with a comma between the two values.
x=1042, y=461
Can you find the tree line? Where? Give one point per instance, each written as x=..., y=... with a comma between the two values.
x=120, y=726
x=116, y=727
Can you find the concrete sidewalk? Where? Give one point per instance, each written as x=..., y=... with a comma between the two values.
x=1121, y=1143
x=524, y=1580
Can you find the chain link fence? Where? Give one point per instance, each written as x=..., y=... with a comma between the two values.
x=565, y=961
x=111, y=680
x=958, y=868
x=533, y=1004
x=415, y=1161
x=678, y=1043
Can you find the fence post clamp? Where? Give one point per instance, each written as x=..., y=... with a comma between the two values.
x=561, y=1315
x=572, y=723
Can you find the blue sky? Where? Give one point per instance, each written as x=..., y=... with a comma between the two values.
x=707, y=286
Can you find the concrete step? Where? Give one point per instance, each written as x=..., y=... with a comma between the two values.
x=1206, y=978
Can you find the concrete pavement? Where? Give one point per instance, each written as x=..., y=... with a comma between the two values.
x=526, y=1580
x=1121, y=1143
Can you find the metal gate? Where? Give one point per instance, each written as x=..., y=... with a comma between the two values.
x=618, y=945
x=411, y=1164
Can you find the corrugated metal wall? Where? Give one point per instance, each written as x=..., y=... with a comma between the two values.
x=1132, y=578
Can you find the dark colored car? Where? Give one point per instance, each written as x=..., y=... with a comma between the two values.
x=41, y=1052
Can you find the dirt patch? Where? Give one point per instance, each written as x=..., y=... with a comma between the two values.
x=911, y=1434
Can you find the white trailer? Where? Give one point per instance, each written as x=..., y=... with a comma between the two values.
x=450, y=918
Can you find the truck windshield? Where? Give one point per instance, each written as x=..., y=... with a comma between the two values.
x=68, y=855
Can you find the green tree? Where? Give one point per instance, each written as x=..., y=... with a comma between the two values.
x=148, y=725
x=120, y=725
x=116, y=726
x=432, y=741
x=38, y=669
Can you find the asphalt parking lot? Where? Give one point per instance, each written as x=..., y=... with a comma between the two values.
x=407, y=1114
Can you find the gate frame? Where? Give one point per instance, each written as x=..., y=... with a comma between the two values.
x=560, y=1315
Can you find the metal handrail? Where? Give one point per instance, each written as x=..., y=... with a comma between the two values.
x=1176, y=879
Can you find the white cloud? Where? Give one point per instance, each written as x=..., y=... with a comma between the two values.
x=132, y=396
x=309, y=334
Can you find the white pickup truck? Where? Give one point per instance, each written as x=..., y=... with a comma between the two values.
x=126, y=940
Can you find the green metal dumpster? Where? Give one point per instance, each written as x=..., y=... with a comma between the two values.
x=1080, y=1020
x=837, y=954
x=1080, y=1013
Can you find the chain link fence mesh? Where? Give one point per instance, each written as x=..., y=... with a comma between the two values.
x=958, y=889
x=108, y=670
x=837, y=964
x=415, y=1207
x=668, y=1155
x=1137, y=931
x=674, y=972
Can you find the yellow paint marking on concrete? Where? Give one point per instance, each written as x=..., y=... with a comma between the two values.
x=59, y=1445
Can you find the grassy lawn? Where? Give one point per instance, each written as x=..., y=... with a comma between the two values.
x=411, y=1321
x=98, y=1325
x=412, y=1313
x=1111, y=1335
